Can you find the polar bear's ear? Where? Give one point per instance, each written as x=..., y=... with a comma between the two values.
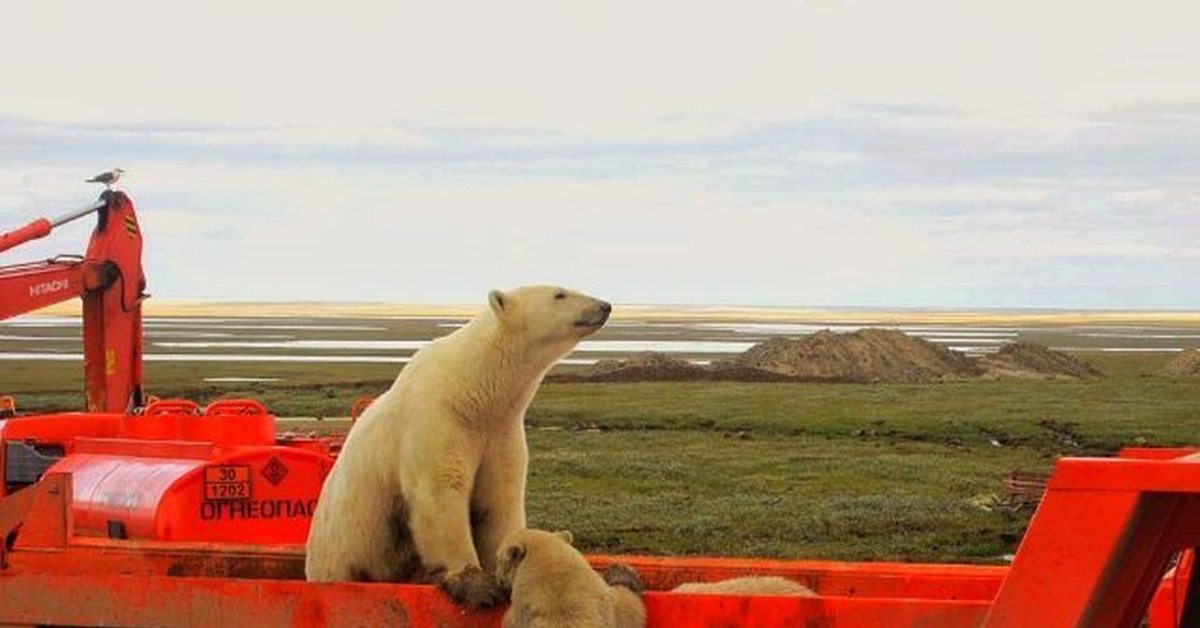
x=514, y=554
x=508, y=558
x=566, y=536
x=498, y=301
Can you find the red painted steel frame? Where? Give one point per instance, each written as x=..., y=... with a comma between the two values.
x=28, y=287
x=54, y=577
x=1101, y=539
x=110, y=280
x=39, y=228
x=177, y=472
x=1079, y=566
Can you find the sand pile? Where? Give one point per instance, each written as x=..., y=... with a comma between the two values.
x=734, y=370
x=1186, y=363
x=868, y=355
x=1033, y=361
x=643, y=367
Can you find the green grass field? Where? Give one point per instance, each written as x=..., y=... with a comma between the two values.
x=838, y=471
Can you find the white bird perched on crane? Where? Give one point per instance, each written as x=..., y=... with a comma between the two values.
x=107, y=178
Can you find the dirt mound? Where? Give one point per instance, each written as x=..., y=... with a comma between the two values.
x=868, y=355
x=1028, y=360
x=1186, y=363
x=732, y=370
x=642, y=367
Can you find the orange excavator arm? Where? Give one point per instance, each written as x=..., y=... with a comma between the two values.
x=110, y=281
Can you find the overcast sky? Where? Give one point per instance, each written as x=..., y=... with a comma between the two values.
x=916, y=153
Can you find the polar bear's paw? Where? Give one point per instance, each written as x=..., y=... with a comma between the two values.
x=474, y=588
x=619, y=575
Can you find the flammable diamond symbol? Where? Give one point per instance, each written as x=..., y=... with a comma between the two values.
x=274, y=471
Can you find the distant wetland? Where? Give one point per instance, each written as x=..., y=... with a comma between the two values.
x=859, y=471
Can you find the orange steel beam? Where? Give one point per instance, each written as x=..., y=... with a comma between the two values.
x=110, y=280
x=1100, y=541
x=108, y=600
x=118, y=600
x=876, y=580
x=1156, y=453
x=1092, y=557
x=92, y=582
x=56, y=578
x=39, y=228
x=112, y=318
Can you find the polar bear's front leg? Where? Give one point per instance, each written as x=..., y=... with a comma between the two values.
x=440, y=523
x=499, y=496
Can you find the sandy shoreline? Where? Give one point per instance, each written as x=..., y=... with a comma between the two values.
x=173, y=308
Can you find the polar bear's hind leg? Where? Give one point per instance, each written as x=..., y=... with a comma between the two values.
x=405, y=562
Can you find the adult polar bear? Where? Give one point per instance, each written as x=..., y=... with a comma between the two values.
x=432, y=477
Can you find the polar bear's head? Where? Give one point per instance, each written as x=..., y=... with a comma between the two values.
x=550, y=549
x=548, y=319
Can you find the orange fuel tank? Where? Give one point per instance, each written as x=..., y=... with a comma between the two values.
x=175, y=472
x=187, y=491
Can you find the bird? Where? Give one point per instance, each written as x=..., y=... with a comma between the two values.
x=107, y=178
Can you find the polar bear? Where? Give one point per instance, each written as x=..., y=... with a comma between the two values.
x=432, y=476
x=747, y=585
x=554, y=587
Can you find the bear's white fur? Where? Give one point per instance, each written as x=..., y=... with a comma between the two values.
x=747, y=585
x=432, y=476
x=554, y=587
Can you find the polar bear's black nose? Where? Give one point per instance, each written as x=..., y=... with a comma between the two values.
x=606, y=307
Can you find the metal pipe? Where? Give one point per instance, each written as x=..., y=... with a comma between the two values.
x=79, y=213
x=41, y=227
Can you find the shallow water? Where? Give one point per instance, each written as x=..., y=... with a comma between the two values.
x=243, y=380
x=394, y=340
x=240, y=357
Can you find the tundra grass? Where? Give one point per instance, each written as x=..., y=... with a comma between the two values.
x=838, y=471
x=694, y=492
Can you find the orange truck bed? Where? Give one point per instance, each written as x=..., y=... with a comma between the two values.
x=183, y=516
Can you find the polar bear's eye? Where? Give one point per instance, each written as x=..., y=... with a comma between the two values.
x=560, y=295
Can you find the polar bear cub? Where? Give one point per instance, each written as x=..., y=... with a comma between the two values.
x=554, y=587
x=748, y=585
x=432, y=476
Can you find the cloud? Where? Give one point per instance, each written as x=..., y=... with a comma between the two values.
x=619, y=69
x=924, y=153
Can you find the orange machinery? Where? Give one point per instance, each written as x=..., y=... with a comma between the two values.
x=108, y=278
x=167, y=514
x=163, y=471
x=173, y=472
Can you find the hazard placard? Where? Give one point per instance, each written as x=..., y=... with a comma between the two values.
x=229, y=481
